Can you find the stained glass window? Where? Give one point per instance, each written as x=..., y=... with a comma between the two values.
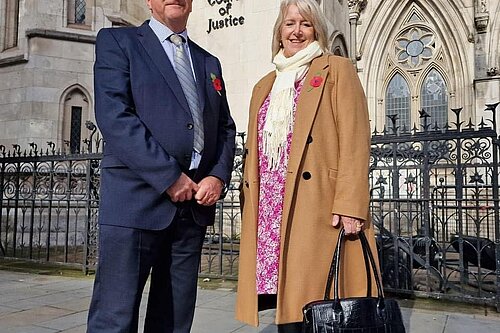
x=397, y=101
x=434, y=98
x=414, y=47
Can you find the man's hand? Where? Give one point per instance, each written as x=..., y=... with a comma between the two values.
x=209, y=191
x=183, y=189
x=352, y=226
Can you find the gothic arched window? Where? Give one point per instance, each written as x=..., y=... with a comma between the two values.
x=75, y=113
x=434, y=98
x=397, y=102
x=418, y=55
x=339, y=46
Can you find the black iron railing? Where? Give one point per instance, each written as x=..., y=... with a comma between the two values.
x=435, y=203
x=435, y=206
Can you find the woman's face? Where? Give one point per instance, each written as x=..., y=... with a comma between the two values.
x=296, y=32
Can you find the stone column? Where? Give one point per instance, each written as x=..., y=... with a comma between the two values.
x=486, y=77
x=355, y=8
x=481, y=20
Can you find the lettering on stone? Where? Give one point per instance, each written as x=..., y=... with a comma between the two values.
x=226, y=18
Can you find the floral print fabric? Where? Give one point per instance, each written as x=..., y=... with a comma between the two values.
x=271, y=195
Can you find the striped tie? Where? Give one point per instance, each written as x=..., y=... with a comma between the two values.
x=186, y=78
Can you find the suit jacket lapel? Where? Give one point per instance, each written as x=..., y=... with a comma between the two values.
x=157, y=54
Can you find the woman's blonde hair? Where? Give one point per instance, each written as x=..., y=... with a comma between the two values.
x=309, y=9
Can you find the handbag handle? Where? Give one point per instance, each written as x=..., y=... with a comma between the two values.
x=335, y=268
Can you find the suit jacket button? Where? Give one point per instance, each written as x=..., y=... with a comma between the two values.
x=190, y=126
x=309, y=139
x=306, y=175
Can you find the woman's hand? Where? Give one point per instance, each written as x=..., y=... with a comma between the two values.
x=352, y=226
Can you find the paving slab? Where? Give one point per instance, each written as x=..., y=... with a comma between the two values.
x=31, y=303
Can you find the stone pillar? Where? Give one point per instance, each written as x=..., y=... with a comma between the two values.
x=486, y=74
x=355, y=8
x=481, y=20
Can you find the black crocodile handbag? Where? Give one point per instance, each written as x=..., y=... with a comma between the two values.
x=356, y=314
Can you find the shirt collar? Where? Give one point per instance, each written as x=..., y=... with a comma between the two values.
x=162, y=31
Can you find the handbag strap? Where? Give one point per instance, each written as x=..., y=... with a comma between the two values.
x=335, y=267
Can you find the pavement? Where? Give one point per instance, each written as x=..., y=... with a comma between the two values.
x=34, y=303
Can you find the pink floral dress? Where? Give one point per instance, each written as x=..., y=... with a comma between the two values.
x=271, y=195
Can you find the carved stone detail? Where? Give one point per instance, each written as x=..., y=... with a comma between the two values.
x=482, y=21
x=493, y=71
x=481, y=6
x=357, y=6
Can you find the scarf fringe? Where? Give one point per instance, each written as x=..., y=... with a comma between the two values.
x=279, y=122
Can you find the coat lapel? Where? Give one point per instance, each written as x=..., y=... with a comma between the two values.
x=157, y=54
x=307, y=107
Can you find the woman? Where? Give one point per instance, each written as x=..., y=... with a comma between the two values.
x=306, y=173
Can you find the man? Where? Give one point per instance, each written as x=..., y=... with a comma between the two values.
x=162, y=109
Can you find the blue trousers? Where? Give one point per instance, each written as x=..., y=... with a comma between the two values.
x=127, y=257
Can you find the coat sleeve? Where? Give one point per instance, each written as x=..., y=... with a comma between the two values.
x=226, y=133
x=125, y=134
x=353, y=127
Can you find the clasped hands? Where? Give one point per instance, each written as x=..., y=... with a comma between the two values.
x=206, y=192
x=352, y=226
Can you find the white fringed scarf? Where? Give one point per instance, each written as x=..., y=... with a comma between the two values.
x=279, y=119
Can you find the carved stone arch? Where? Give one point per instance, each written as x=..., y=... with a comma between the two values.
x=338, y=45
x=414, y=15
x=382, y=29
x=404, y=74
x=75, y=107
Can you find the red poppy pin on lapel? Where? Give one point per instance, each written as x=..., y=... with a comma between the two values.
x=216, y=82
x=316, y=81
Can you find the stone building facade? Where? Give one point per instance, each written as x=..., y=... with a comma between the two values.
x=46, y=61
x=47, y=53
x=431, y=55
x=410, y=55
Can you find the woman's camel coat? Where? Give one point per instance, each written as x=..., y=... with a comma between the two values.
x=327, y=174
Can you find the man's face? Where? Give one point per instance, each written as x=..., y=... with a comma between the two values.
x=172, y=13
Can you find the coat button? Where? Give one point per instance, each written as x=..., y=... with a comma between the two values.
x=190, y=126
x=306, y=175
x=309, y=139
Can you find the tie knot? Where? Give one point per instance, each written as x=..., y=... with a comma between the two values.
x=177, y=40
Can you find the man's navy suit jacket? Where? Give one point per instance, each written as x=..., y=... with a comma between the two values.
x=145, y=121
